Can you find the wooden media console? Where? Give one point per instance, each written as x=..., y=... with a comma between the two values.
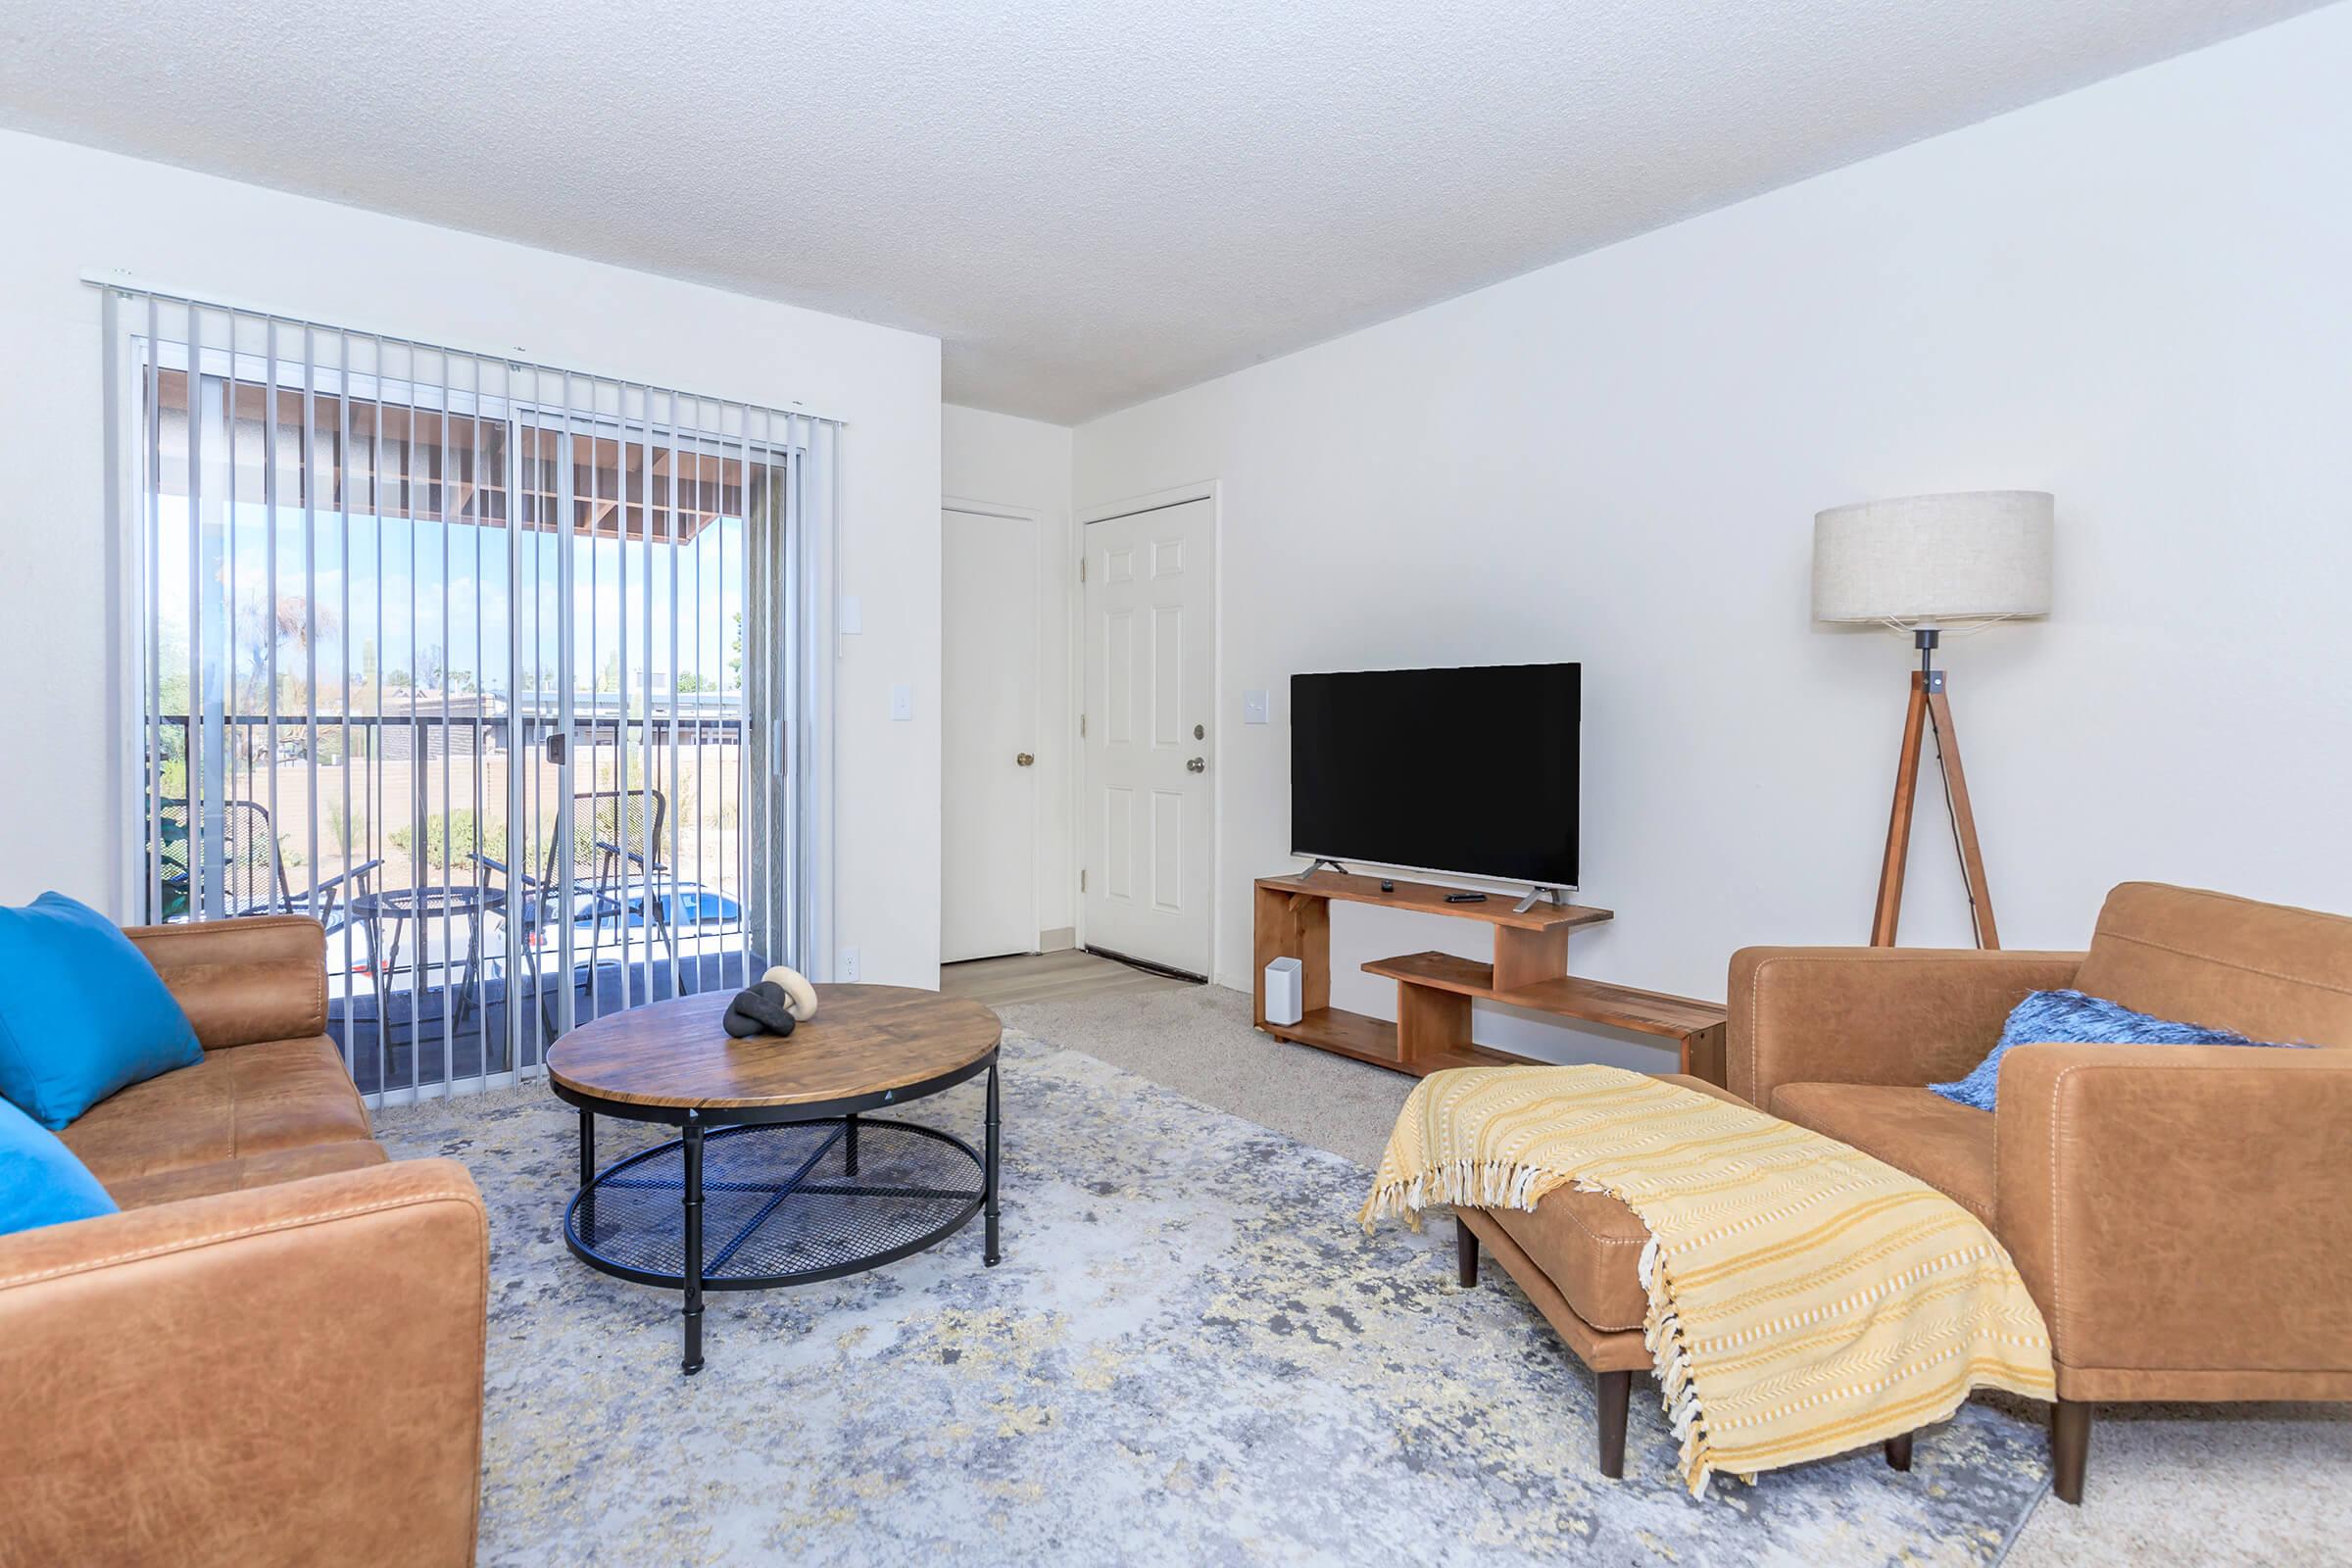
x=1435, y=990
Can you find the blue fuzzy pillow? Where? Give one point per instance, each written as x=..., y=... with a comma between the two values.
x=41, y=1183
x=82, y=1012
x=2069, y=1017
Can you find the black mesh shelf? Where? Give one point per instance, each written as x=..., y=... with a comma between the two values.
x=783, y=1204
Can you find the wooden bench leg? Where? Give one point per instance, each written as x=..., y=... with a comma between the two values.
x=1616, y=1391
x=2070, y=1447
x=1898, y=1452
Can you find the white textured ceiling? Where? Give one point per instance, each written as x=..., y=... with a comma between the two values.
x=1090, y=203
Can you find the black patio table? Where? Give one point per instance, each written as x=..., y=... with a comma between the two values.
x=399, y=909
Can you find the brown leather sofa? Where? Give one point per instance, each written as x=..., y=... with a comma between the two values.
x=273, y=1354
x=2183, y=1214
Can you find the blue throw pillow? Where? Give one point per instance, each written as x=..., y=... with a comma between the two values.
x=82, y=1012
x=2070, y=1017
x=41, y=1183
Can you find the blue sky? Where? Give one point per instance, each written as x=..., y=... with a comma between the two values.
x=412, y=559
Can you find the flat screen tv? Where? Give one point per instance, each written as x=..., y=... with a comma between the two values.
x=1465, y=770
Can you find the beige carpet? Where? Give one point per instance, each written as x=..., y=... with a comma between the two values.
x=2249, y=1484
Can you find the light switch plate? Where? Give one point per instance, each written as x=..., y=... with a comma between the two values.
x=853, y=614
x=1254, y=708
x=902, y=701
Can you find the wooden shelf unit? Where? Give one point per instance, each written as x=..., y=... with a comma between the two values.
x=1435, y=990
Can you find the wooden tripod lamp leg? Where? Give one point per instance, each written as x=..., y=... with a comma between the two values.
x=1899, y=822
x=1930, y=706
x=1964, y=820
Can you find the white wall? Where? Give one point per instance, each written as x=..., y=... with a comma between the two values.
x=2138, y=296
x=74, y=209
x=998, y=460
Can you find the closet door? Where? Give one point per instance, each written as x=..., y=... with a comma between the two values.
x=989, y=739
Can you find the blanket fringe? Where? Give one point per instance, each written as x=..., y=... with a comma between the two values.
x=1464, y=1183
x=1662, y=1337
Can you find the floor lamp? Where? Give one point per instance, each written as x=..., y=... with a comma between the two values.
x=1917, y=564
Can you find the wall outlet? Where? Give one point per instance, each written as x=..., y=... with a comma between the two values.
x=1254, y=708
x=845, y=965
x=902, y=701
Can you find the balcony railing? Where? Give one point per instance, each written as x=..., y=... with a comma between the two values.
x=450, y=957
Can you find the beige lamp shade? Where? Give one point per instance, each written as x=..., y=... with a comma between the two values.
x=1975, y=555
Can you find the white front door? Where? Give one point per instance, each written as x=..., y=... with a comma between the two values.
x=1146, y=819
x=989, y=736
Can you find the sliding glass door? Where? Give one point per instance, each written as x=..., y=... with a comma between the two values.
x=492, y=670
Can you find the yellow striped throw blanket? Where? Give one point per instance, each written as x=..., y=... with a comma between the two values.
x=1804, y=1298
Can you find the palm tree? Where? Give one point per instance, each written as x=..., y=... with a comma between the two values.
x=285, y=632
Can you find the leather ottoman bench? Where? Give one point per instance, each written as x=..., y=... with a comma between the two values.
x=1577, y=1255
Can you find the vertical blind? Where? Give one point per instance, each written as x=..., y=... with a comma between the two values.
x=502, y=672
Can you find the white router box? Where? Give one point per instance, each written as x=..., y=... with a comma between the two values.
x=1284, y=992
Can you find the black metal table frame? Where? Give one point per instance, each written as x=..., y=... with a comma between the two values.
x=382, y=908
x=696, y=1124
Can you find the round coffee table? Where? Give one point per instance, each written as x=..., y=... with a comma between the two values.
x=778, y=1159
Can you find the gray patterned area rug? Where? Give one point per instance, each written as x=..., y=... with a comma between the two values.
x=1190, y=1354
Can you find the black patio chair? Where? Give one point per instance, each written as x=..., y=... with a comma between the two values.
x=608, y=835
x=251, y=868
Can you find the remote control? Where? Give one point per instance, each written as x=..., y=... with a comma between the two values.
x=1465, y=898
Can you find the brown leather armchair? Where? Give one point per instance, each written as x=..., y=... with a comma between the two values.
x=273, y=1354
x=2182, y=1213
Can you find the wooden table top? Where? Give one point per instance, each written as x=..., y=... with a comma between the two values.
x=864, y=1040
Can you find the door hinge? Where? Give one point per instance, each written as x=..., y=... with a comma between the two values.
x=1082, y=726
x=1082, y=569
x=1082, y=879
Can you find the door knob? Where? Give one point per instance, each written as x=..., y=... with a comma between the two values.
x=1198, y=764
x=1024, y=759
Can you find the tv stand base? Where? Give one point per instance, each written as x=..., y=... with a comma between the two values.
x=1541, y=895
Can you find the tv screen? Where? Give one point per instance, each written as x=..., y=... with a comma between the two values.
x=1466, y=770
